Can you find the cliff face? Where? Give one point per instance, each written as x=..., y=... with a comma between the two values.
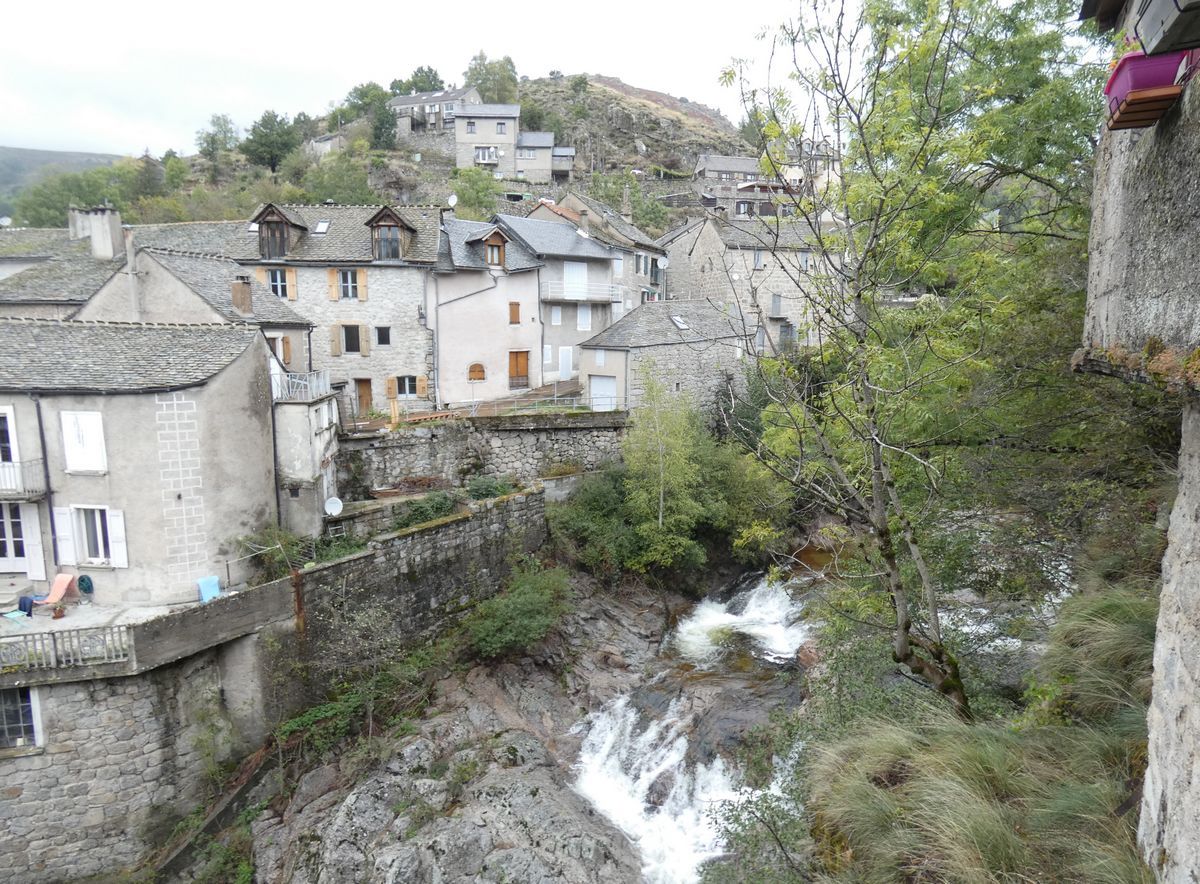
x=1143, y=322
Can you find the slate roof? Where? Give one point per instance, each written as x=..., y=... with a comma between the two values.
x=552, y=238
x=33, y=242
x=751, y=233
x=348, y=238
x=650, y=325
x=46, y=355
x=438, y=96
x=563, y=151
x=491, y=110
x=228, y=238
x=71, y=277
x=613, y=219
x=718, y=163
x=535, y=139
x=212, y=279
x=458, y=254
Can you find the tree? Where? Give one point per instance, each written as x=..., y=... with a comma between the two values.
x=495, y=80
x=383, y=127
x=363, y=97
x=341, y=177
x=476, y=191
x=305, y=126
x=269, y=140
x=648, y=213
x=150, y=177
x=579, y=85
x=175, y=171
x=221, y=135
x=425, y=79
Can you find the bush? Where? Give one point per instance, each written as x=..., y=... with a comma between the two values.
x=522, y=615
x=436, y=505
x=484, y=487
x=593, y=528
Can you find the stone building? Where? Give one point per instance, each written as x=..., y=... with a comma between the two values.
x=432, y=112
x=1142, y=323
x=485, y=137
x=692, y=348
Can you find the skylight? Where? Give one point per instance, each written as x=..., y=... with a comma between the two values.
x=253, y=228
x=679, y=323
x=322, y=227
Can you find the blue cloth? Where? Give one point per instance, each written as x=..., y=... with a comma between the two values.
x=25, y=603
x=210, y=588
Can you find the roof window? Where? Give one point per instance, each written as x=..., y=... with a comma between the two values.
x=679, y=323
x=322, y=227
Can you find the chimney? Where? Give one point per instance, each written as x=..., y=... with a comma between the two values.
x=77, y=224
x=584, y=221
x=131, y=272
x=104, y=230
x=241, y=295
x=626, y=206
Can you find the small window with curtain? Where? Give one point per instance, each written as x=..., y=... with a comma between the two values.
x=387, y=242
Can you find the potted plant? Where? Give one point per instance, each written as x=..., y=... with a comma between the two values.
x=1135, y=70
x=59, y=611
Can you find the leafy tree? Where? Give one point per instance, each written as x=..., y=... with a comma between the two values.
x=341, y=177
x=362, y=98
x=150, y=177
x=221, y=135
x=648, y=213
x=425, y=79
x=305, y=126
x=495, y=80
x=175, y=171
x=579, y=85
x=535, y=118
x=383, y=127
x=522, y=615
x=269, y=140
x=476, y=190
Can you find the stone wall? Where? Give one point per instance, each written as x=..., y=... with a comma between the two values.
x=523, y=447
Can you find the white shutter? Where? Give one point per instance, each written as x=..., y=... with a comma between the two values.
x=83, y=441
x=584, y=318
x=64, y=532
x=547, y=354
x=556, y=315
x=35, y=557
x=116, y=539
x=600, y=358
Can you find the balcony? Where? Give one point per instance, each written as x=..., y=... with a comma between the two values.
x=486, y=156
x=569, y=291
x=22, y=480
x=300, y=386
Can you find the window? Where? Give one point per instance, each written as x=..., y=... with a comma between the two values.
x=777, y=305
x=91, y=524
x=12, y=534
x=19, y=724
x=556, y=315
x=448, y=107
x=83, y=442
x=387, y=242
x=520, y=173
x=470, y=127
x=514, y=312
x=476, y=372
x=272, y=239
x=500, y=128
x=321, y=228
x=655, y=273
x=486, y=155
x=547, y=354
x=406, y=386
x=495, y=255
x=526, y=153
x=601, y=356
x=750, y=176
x=584, y=317
x=759, y=259
x=348, y=285
x=619, y=265
x=277, y=280
x=383, y=335
x=350, y=339
x=431, y=108
x=725, y=176
x=743, y=207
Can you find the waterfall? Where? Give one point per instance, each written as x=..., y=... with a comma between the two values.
x=635, y=771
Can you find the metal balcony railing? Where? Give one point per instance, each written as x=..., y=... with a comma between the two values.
x=22, y=480
x=568, y=291
x=65, y=648
x=300, y=386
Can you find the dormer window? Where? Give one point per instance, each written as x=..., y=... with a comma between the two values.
x=387, y=242
x=272, y=239
x=495, y=250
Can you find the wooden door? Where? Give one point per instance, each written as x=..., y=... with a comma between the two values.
x=362, y=389
x=518, y=369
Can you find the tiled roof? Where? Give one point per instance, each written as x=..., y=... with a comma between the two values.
x=563, y=151
x=651, y=325
x=212, y=279
x=348, y=239
x=113, y=357
x=437, y=96
x=228, y=238
x=613, y=219
x=764, y=233
x=552, y=238
x=33, y=242
x=671, y=235
x=535, y=139
x=718, y=163
x=562, y=211
x=71, y=277
x=490, y=110
x=460, y=254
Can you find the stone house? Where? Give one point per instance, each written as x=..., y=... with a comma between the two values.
x=738, y=185
x=576, y=288
x=692, y=348
x=485, y=137
x=1142, y=324
x=762, y=267
x=534, y=157
x=432, y=112
x=485, y=314
x=638, y=263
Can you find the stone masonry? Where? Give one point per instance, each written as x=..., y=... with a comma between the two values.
x=180, y=475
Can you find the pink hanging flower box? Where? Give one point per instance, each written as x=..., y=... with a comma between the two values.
x=1135, y=70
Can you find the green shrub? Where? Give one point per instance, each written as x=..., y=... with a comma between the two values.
x=521, y=615
x=593, y=528
x=484, y=487
x=436, y=505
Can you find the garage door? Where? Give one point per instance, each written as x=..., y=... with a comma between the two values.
x=604, y=392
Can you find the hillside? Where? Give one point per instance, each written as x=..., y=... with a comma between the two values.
x=20, y=167
x=614, y=125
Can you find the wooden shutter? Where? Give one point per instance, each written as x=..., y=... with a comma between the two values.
x=361, y=275
x=332, y=275
x=364, y=340
x=292, y=291
x=116, y=539
x=514, y=312
x=64, y=535
x=391, y=388
x=422, y=385
x=287, y=350
x=335, y=340
x=260, y=273
x=35, y=559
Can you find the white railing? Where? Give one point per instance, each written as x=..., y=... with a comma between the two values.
x=300, y=386
x=570, y=291
x=22, y=478
x=65, y=648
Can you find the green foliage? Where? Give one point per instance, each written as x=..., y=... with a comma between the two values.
x=364, y=97
x=435, y=505
x=175, y=172
x=269, y=140
x=495, y=80
x=520, y=616
x=592, y=528
x=341, y=177
x=485, y=487
x=383, y=127
x=648, y=213
x=535, y=118
x=579, y=85
x=278, y=550
x=476, y=190
x=221, y=136
x=423, y=79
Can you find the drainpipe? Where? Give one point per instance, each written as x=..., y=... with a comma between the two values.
x=436, y=330
x=310, y=330
x=275, y=463
x=37, y=404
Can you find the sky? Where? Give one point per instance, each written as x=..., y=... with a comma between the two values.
x=123, y=77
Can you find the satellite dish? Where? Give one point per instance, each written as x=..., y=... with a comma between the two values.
x=663, y=263
x=333, y=506
x=453, y=200
x=5, y=221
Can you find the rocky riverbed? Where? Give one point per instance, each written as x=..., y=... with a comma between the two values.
x=593, y=760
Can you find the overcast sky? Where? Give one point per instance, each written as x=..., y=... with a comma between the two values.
x=120, y=77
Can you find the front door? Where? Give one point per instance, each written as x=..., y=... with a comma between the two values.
x=362, y=390
x=12, y=539
x=564, y=363
x=575, y=279
x=518, y=369
x=604, y=392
